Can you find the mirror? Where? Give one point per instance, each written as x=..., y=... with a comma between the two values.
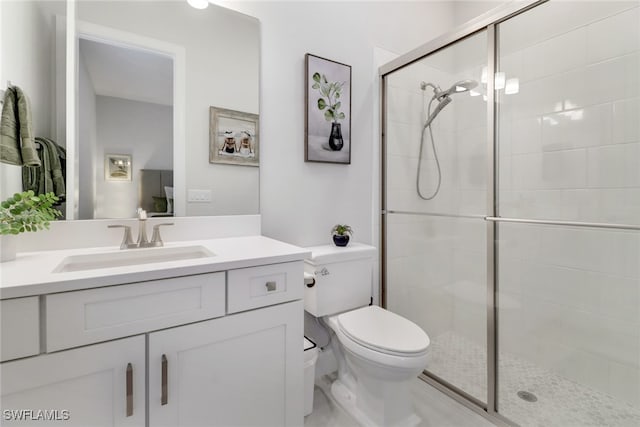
x=146, y=75
x=33, y=36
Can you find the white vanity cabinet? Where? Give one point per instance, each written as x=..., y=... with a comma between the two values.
x=240, y=370
x=97, y=385
x=222, y=348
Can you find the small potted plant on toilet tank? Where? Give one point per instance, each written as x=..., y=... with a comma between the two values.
x=341, y=234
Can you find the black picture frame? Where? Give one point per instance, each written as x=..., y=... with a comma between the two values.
x=327, y=127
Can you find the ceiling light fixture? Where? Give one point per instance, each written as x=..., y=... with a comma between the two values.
x=198, y=4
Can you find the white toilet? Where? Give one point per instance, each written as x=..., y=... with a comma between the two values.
x=379, y=353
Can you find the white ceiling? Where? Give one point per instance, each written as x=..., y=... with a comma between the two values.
x=127, y=73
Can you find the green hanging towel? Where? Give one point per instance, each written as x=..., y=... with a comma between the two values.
x=16, y=130
x=49, y=177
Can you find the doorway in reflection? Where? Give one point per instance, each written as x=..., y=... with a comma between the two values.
x=125, y=133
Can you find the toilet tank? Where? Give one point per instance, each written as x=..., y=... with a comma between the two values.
x=343, y=278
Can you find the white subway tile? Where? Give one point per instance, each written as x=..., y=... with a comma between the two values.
x=583, y=127
x=401, y=172
x=613, y=252
x=614, y=166
x=626, y=120
x=619, y=297
x=612, y=205
x=561, y=285
x=556, y=55
x=519, y=240
x=614, y=36
x=403, y=139
x=503, y=167
x=526, y=135
x=471, y=202
x=404, y=106
x=613, y=80
x=552, y=170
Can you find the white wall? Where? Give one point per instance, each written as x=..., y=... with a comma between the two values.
x=29, y=65
x=140, y=129
x=300, y=202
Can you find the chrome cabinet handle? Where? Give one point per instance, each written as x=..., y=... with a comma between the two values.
x=164, y=396
x=271, y=286
x=129, y=391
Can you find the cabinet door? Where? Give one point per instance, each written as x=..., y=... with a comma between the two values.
x=98, y=385
x=241, y=370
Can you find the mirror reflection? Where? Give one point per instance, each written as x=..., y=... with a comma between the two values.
x=147, y=74
x=125, y=133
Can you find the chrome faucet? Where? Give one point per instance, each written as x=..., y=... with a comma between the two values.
x=143, y=241
x=127, y=241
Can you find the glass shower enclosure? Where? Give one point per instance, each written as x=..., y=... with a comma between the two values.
x=511, y=210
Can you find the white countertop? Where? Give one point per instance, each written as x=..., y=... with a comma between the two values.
x=32, y=272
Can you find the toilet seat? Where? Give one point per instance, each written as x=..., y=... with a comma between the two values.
x=393, y=353
x=381, y=330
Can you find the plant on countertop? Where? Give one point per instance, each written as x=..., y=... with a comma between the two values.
x=27, y=212
x=341, y=230
x=330, y=95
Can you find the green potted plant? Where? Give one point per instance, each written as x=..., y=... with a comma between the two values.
x=341, y=234
x=21, y=213
x=330, y=103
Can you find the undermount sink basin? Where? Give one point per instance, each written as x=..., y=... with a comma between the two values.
x=131, y=257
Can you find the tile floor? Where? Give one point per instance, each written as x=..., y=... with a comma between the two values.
x=561, y=402
x=435, y=408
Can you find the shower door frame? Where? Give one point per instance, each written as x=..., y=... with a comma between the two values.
x=486, y=22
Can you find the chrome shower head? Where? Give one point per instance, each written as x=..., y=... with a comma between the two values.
x=457, y=87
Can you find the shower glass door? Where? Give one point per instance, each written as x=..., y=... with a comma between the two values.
x=436, y=201
x=568, y=279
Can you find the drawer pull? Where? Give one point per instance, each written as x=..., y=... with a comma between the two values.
x=271, y=286
x=164, y=396
x=129, y=390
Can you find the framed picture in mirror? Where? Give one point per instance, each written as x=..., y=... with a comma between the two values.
x=233, y=137
x=117, y=167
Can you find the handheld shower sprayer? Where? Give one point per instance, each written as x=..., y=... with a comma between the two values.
x=443, y=98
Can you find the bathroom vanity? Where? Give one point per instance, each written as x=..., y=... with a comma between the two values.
x=209, y=340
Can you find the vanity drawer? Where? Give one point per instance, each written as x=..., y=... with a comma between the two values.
x=249, y=288
x=20, y=322
x=84, y=317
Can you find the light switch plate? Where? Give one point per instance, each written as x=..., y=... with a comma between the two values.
x=199, y=196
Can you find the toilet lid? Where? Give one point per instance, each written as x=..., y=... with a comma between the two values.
x=382, y=330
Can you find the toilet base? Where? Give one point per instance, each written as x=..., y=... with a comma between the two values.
x=347, y=400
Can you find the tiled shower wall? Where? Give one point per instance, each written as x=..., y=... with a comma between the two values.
x=569, y=149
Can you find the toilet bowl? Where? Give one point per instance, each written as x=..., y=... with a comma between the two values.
x=378, y=352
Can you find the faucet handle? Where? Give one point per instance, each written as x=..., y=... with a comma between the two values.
x=156, y=240
x=127, y=240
